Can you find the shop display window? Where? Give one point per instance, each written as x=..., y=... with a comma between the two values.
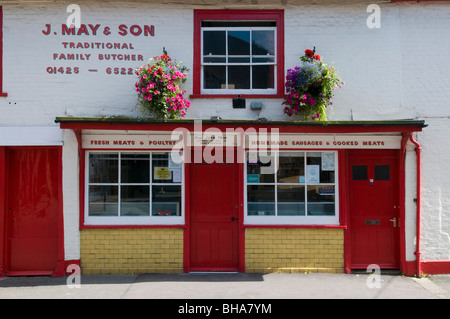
x=133, y=188
x=291, y=187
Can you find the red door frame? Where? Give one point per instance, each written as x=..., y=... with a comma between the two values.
x=4, y=251
x=241, y=229
x=2, y=210
x=400, y=175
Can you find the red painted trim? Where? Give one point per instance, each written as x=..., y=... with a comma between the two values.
x=297, y=226
x=285, y=128
x=129, y=149
x=231, y=96
x=2, y=94
x=402, y=191
x=347, y=234
x=60, y=267
x=3, y=211
x=187, y=219
x=436, y=267
x=67, y=263
x=82, y=186
x=342, y=187
x=241, y=229
x=129, y=226
x=418, y=150
x=200, y=15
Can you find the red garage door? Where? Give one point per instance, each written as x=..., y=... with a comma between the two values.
x=32, y=210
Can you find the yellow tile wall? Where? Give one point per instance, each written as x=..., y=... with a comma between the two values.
x=294, y=250
x=132, y=251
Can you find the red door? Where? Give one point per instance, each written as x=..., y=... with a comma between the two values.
x=214, y=225
x=374, y=209
x=32, y=211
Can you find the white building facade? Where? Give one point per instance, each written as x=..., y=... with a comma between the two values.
x=86, y=179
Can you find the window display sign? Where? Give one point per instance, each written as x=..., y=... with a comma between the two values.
x=312, y=174
x=327, y=161
x=162, y=173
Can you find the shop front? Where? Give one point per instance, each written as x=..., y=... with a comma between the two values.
x=247, y=196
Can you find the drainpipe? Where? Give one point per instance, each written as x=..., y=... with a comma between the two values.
x=417, y=253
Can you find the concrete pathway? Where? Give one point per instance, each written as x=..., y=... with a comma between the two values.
x=227, y=286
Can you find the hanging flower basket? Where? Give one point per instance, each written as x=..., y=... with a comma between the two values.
x=310, y=88
x=158, y=87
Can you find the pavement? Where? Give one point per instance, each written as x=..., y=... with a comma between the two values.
x=227, y=286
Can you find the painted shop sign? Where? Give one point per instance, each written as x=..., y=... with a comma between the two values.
x=282, y=141
x=102, y=44
x=299, y=141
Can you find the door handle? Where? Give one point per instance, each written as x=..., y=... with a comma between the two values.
x=394, y=221
x=233, y=219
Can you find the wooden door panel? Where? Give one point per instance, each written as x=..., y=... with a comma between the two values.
x=373, y=205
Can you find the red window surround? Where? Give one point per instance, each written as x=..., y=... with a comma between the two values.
x=238, y=15
x=1, y=53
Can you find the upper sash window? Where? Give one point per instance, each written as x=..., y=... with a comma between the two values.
x=238, y=58
x=239, y=52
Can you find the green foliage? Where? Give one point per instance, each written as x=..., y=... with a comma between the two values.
x=310, y=87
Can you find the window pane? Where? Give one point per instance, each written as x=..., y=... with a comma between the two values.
x=103, y=201
x=239, y=42
x=211, y=59
x=214, y=42
x=382, y=172
x=260, y=169
x=135, y=168
x=263, y=77
x=239, y=60
x=321, y=200
x=135, y=201
x=239, y=77
x=263, y=42
x=314, y=160
x=291, y=200
x=261, y=200
x=359, y=172
x=214, y=77
x=103, y=168
x=264, y=59
x=291, y=168
x=166, y=200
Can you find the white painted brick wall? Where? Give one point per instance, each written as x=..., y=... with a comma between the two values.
x=398, y=71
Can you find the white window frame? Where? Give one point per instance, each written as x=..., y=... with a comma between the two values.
x=268, y=91
x=132, y=220
x=293, y=220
